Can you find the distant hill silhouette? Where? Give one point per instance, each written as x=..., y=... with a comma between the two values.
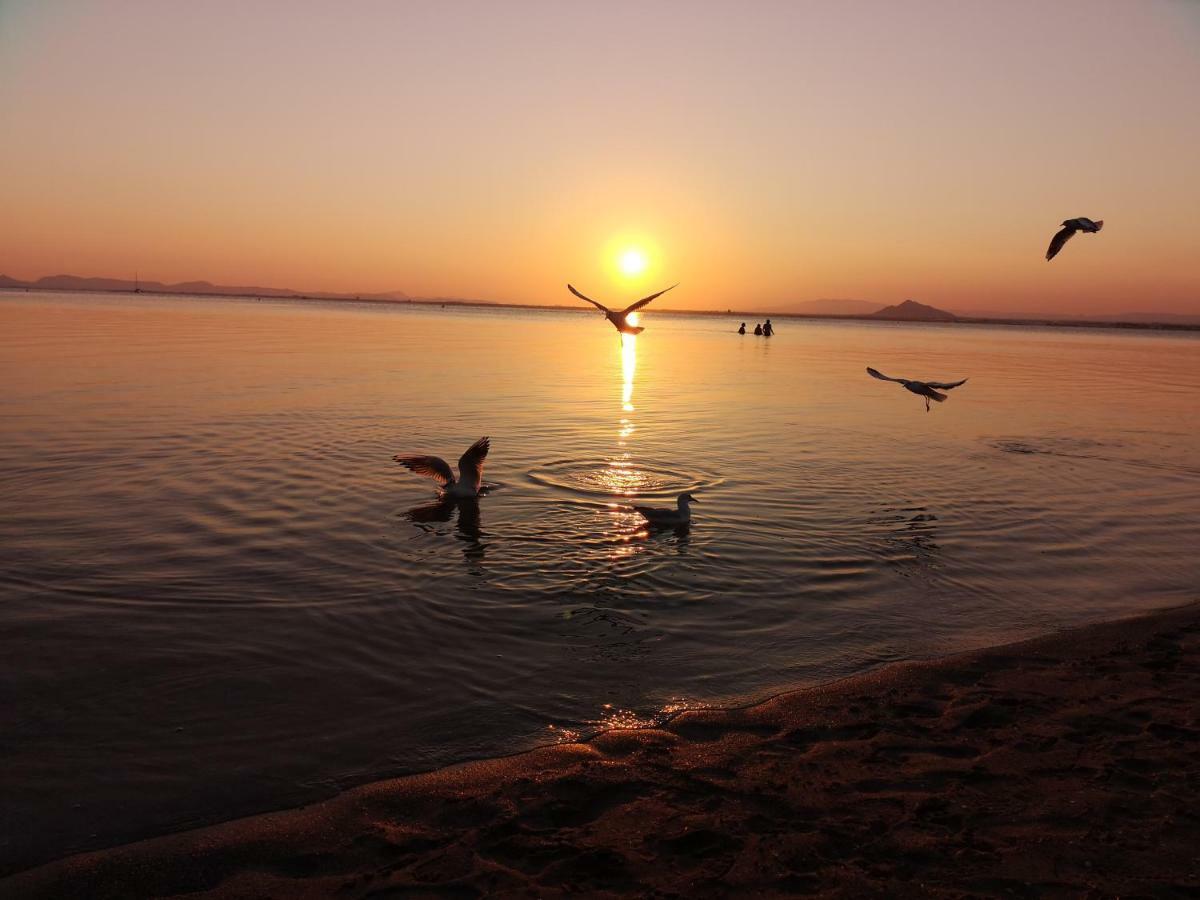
x=912, y=311
x=78, y=283
x=830, y=307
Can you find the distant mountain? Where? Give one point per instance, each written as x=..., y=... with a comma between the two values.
x=77, y=283
x=912, y=311
x=829, y=307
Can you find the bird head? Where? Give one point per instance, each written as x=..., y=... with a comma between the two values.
x=688, y=498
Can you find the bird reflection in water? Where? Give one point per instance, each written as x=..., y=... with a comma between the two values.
x=467, y=526
x=682, y=534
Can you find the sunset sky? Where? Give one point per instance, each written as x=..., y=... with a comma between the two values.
x=760, y=153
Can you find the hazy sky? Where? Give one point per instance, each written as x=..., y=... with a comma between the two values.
x=759, y=152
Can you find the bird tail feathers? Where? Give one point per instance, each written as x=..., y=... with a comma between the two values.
x=934, y=395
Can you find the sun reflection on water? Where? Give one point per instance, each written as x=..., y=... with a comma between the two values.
x=614, y=718
x=628, y=366
x=621, y=476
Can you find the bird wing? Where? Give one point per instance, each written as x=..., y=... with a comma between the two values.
x=635, y=306
x=430, y=466
x=599, y=306
x=945, y=385
x=875, y=373
x=470, y=464
x=1056, y=243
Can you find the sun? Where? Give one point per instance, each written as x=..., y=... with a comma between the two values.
x=632, y=261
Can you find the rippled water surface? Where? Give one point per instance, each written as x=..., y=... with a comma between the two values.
x=221, y=596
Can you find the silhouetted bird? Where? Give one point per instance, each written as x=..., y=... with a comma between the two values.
x=1070, y=226
x=666, y=518
x=618, y=318
x=927, y=389
x=470, y=469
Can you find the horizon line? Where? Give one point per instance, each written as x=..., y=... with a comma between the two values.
x=1061, y=320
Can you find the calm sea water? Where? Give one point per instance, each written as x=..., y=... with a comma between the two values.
x=221, y=596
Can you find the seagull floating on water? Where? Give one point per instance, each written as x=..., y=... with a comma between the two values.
x=618, y=317
x=470, y=470
x=927, y=389
x=665, y=518
x=1070, y=226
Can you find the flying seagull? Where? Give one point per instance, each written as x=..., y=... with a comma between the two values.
x=1070, y=226
x=470, y=470
x=927, y=389
x=618, y=318
x=666, y=518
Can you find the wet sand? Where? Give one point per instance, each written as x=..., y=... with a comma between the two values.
x=1068, y=765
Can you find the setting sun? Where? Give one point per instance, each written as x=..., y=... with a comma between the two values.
x=632, y=261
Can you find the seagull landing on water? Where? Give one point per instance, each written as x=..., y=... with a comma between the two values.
x=927, y=389
x=619, y=318
x=1070, y=226
x=667, y=518
x=470, y=470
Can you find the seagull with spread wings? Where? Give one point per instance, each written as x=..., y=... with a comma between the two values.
x=619, y=317
x=470, y=470
x=927, y=389
x=1070, y=226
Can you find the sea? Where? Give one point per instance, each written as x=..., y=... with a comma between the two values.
x=219, y=594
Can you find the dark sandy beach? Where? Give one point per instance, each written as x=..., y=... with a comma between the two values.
x=1064, y=766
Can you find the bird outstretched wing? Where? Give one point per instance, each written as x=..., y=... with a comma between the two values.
x=636, y=306
x=430, y=466
x=599, y=306
x=470, y=464
x=875, y=373
x=1056, y=243
x=945, y=385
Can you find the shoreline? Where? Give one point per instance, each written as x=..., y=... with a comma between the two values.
x=1067, y=763
x=1051, y=322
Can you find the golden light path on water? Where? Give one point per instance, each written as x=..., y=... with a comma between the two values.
x=628, y=364
x=620, y=476
x=623, y=478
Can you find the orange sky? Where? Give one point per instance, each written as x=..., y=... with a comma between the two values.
x=761, y=153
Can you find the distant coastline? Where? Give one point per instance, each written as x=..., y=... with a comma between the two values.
x=396, y=298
